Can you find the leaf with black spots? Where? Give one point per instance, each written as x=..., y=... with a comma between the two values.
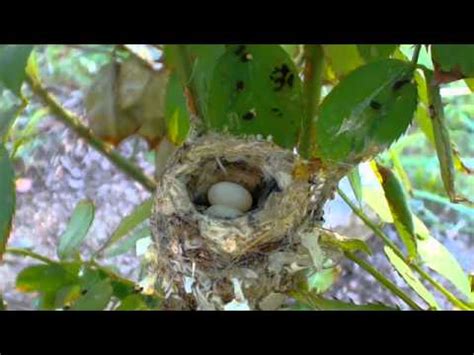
x=366, y=112
x=97, y=297
x=256, y=90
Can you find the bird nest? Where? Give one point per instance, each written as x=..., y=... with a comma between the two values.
x=247, y=262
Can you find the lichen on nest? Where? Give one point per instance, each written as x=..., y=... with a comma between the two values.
x=251, y=261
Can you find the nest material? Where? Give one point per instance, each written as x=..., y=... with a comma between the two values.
x=248, y=262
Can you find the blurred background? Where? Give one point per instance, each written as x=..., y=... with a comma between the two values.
x=55, y=170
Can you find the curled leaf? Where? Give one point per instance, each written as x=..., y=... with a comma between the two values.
x=398, y=204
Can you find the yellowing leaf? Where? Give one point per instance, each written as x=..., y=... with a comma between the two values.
x=405, y=272
x=343, y=58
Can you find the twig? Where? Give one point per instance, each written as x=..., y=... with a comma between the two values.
x=72, y=121
x=314, y=61
x=379, y=233
x=383, y=280
x=29, y=253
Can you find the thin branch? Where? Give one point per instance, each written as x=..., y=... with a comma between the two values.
x=72, y=121
x=383, y=280
x=29, y=253
x=313, y=70
x=379, y=233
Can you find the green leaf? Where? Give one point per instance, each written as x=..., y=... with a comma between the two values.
x=356, y=184
x=322, y=281
x=7, y=197
x=13, y=60
x=7, y=117
x=76, y=230
x=453, y=59
x=398, y=204
x=334, y=240
x=176, y=112
x=97, y=297
x=343, y=58
x=205, y=60
x=128, y=243
x=66, y=296
x=133, y=303
x=366, y=112
x=405, y=272
x=256, y=90
x=139, y=215
x=373, y=52
x=401, y=172
x=45, y=278
x=443, y=144
x=438, y=258
x=375, y=198
x=292, y=49
x=470, y=84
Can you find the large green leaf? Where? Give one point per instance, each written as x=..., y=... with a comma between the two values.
x=95, y=298
x=13, y=60
x=342, y=58
x=139, y=215
x=405, y=272
x=45, y=278
x=371, y=108
x=76, y=230
x=453, y=61
x=7, y=197
x=256, y=90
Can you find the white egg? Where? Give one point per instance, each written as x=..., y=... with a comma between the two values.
x=230, y=194
x=221, y=211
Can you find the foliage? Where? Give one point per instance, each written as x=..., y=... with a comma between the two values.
x=377, y=103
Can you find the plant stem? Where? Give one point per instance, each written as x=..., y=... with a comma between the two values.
x=379, y=233
x=72, y=121
x=314, y=62
x=31, y=254
x=416, y=54
x=383, y=280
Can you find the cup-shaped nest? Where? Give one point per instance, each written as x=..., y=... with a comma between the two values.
x=200, y=256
